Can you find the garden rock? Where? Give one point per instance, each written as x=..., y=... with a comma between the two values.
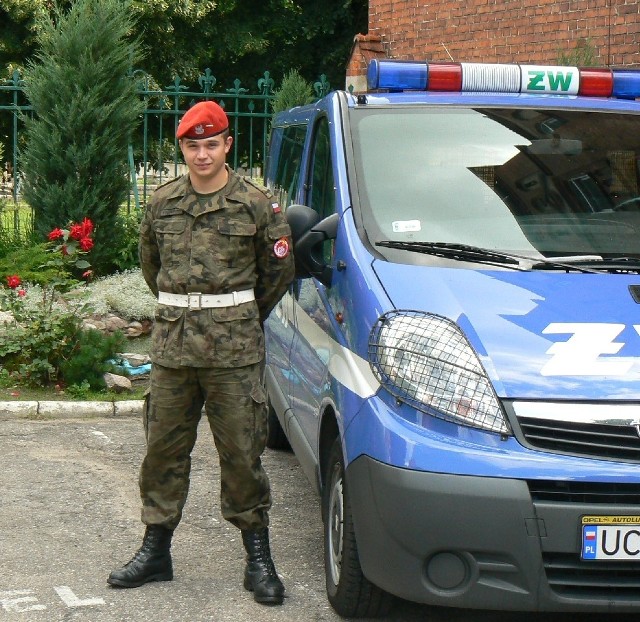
x=118, y=384
x=110, y=323
x=134, y=359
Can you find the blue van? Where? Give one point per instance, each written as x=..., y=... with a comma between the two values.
x=457, y=364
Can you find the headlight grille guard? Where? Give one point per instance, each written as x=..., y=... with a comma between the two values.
x=424, y=360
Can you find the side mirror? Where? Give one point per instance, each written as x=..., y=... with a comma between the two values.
x=309, y=235
x=301, y=218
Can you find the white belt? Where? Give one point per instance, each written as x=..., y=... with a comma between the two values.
x=196, y=301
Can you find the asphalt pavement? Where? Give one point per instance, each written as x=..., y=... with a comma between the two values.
x=70, y=514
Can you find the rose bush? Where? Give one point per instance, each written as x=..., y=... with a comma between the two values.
x=46, y=344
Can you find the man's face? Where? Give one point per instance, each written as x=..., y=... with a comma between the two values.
x=205, y=157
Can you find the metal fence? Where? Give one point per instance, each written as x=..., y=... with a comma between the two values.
x=154, y=156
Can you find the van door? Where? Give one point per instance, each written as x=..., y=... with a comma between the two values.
x=284, y=180
x=310, y=351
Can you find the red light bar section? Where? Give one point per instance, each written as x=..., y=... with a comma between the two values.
x=444, y=77
x=596, y=82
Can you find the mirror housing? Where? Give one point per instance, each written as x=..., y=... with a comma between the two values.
x=309, y=233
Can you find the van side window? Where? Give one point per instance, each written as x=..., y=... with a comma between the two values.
x=321, y=193
x=287, y=176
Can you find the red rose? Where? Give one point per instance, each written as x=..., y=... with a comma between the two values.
x=86, y=244
x=75, y=231
x=13, y=281
x=87, y=274
x=56, y=234
x=81, y=230
x=87, y=227
x=22, y=292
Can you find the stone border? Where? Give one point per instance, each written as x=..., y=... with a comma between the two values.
x=69, y=409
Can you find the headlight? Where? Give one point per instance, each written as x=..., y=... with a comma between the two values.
x=426, y=361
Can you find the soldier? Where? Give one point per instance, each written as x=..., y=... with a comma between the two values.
x=216, y=251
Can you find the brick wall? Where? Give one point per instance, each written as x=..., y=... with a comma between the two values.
x=524, y=31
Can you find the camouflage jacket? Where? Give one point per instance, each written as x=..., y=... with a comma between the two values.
x=226, y=244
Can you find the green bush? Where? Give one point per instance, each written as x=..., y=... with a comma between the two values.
x=44, y=328
x=125, y=241
x=86, y=108
x=33, y=347
x=16, y=227
x=584, y=54
x=90, y=359
x=30, y=263
x=294, y=91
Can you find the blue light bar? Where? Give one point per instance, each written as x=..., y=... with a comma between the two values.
x=397, y=75
x=626, y=83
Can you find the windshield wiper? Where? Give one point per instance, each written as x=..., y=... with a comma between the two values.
x=591, y=264
x=460, y=252
x=594, y=264
x=477, y=254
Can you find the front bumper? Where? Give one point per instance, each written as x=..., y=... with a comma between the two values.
x=481, y=542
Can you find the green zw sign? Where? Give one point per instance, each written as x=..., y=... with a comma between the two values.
x=537, y=79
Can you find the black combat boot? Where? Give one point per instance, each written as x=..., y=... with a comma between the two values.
x=152, y=561
x=260, y=576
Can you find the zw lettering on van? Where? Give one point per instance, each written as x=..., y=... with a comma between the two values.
x=550, y=80
x=581, y=354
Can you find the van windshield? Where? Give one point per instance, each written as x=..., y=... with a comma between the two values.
x=533, y=182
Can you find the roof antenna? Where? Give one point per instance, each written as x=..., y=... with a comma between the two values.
x=447, y=51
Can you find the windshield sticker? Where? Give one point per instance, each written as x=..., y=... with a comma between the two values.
x=403, y=226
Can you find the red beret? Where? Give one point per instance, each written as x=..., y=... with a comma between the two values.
x=203, y=120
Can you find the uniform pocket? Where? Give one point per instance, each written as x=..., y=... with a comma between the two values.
x=236, y=335
x=235, y=241
x=281, y=230
x=165, y=337
x=169, y=230
x=236, y=227
x=259, y=400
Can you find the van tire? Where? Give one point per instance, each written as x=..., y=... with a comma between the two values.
x=350, y=593
x=276, y=438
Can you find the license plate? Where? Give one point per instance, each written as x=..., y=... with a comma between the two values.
x=614, y=538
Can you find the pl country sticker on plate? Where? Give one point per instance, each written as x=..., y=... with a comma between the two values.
x=612, y=538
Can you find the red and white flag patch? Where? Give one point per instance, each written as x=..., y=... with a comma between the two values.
x=276, y=208
x=281, y=248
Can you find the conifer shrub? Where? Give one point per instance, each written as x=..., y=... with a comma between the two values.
x=30, y=263
x=85, y=110
x=91, y=358
x=294, y=91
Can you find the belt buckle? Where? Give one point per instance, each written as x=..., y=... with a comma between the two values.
x=194, y=301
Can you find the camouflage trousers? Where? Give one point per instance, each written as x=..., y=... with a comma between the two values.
x=235, y=405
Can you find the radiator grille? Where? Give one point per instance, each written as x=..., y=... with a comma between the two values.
x=596, y=440
x=612, y=494
x=569, y=576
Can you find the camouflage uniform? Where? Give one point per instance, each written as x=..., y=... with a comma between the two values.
x=212, y=356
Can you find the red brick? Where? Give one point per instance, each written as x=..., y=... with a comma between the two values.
x=510, y=31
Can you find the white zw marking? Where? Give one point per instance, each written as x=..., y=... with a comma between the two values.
x=580, y=354
x=71, y=600
x=17, y=601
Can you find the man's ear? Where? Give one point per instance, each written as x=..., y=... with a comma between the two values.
x=227, y=144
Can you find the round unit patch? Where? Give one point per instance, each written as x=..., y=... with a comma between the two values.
x=281, y=248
